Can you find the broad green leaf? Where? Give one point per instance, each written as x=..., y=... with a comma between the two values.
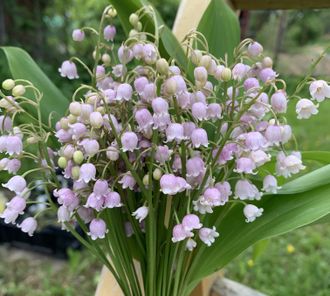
x=320, y=156
x=282, y=213
x=220, y=25
x=169, y=46
x=259, y=248
x=307, y=182
x=22, y=66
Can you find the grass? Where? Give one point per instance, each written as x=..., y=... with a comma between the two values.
x=30, y=274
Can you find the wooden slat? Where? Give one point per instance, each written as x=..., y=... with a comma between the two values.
x=279, y=4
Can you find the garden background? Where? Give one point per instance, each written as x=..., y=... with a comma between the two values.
x=294, y=264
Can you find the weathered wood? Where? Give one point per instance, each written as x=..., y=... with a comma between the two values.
x=279, y=4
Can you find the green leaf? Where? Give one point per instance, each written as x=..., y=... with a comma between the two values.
x=169, y=46
x=220, y=25
x=307, y=182
x=320, y=156
x=282, y=213
x=22, y=66
x=259, y=248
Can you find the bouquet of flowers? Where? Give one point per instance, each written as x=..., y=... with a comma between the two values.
x=171, y=171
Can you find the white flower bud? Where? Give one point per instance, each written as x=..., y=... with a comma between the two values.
x=18, y=90
x=146, y=180
x=205, y=61
x=64, y=122
x=112, y=12
x=162, y=66
x=138, y=26
x=72, y=119
x=62, y=162
x=196, y=56
x=75, y=172
x=8, y=84
x=75, y=108
x=133, y=19
x=106, y=59
x=157, y=174
x=226, y=74
x=96, y=119
x=267, y=62
x=78, y=157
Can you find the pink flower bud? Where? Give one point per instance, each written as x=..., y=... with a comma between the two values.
x=319, y=90
x=14, y=145
x=200, y=74
x=149, y=53
x=78, y=35
x=112, y=200
x=279, y=102
x=16, y=184
x=138, y=51
x=159, y=106
x=86, y=214
x=267, y=74
x=179, y=233
x=91, y=147
x=214, y=111
x=141, y=213
x=251, y=212
x=95, y=202
x=274, y=134
x=240, y=71
x=97, y=229
x=270, y=184
x=5, y=123
x=140, y=83
x=29, y=225
x=13, y=165
x=208, y=235
x=199, y=110
x=251, y=83
x=163, y=154
x=254, y=141
x=78, y=130
x=125, y=54
x=259, y=157
x=69, y=70
x=190, y=222
x=109, y=33
x=225, y=191
x=87, y=172
x=199, y=138
x=305, y=109
x=174, y=132
x=17, y=204
x=144, y=119
x=124, y=92
x=195, y=166
x=188, y=128
x=245, y=165
x=63, y=214
x=246, y=190
x=101, y=187
x=100, y=71
x=67, y=197
x=129, y=141
x=112, y=153
x=254, y=49
x=127, y=181
x=9, y=216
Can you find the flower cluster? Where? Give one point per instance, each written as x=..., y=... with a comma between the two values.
x=147, y=135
